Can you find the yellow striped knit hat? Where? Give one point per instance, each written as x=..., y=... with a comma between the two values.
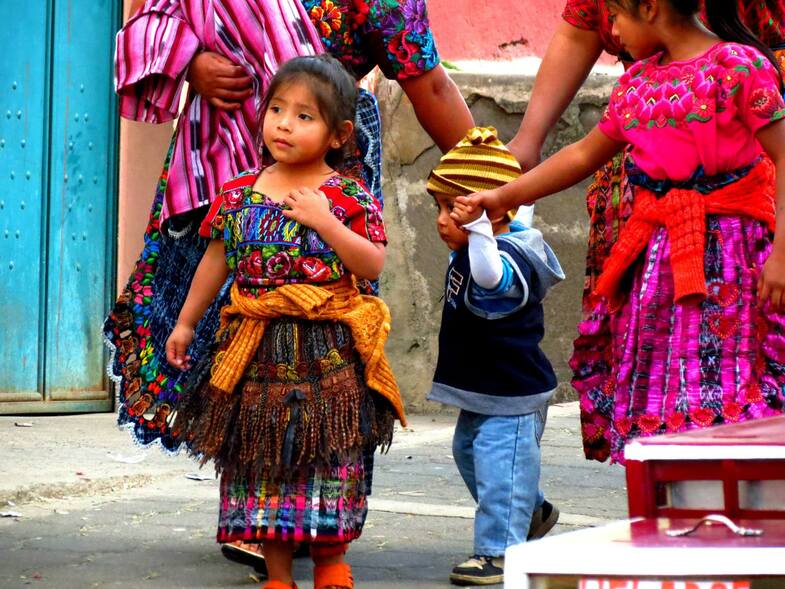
x=478, y=162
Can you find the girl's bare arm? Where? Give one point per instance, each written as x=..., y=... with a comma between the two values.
x=771, y=284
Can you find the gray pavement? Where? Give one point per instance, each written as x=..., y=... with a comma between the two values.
x=89, y=509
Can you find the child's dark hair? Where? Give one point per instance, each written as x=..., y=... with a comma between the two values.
x=723, y=19
x=332, y=86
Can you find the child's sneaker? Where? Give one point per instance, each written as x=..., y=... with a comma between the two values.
x=543, y=520
x=479, y=570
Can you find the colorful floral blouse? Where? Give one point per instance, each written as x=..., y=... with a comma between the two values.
x=266, y=249
x=393, y=34
x=700, y=112
x=765, y=18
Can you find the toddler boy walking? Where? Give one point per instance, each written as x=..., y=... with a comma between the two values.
x=490, y=364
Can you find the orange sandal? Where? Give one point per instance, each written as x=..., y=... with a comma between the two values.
x=279, y=585
x=333, y=575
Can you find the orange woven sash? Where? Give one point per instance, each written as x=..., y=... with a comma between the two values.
x=367, y=317
x=683, y=212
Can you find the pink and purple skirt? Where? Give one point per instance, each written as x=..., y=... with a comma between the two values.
x=670, y=367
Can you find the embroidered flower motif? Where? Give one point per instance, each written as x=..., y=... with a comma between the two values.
x=732, y=412
x=375, y=232
x=360, y=14
x=414, y=12
x=649, y=423
x=722, y=326
x=675, y=422
x=339, y=213
x=687, y=76
x=703, y=110
x=255, y=264
x=765, y=103
x=731, y=78
x=327, y=16
x=278, y=265
x=314, y=269
x=623, y=425
x=391, y=23
x=627, y=116
x=401, y=48
x=218, y=222
x=411, y=69
x=373, y=214
x=702, y=416
x=722, y=293
x=234, y=197
x=681, y=101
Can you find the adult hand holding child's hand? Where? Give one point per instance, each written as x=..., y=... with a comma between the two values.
x=463, y=214
x=472, y=204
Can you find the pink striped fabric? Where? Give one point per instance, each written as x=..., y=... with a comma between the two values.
x=153, y=52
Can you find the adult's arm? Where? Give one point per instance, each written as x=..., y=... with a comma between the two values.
x=153, y=52
x=568, y=60
x=439, y=106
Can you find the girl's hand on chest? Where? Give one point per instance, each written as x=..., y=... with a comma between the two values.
x=309, y=207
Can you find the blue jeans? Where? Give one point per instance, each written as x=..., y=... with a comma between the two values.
x=499, y=460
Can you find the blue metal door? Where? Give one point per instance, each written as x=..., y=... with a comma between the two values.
x=58, y=138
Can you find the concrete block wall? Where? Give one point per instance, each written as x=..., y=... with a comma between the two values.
x=412, y=283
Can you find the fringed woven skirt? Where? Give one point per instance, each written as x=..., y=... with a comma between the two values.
x=672, y=367
x=295, y=441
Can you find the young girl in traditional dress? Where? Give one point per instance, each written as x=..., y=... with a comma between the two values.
x=576, y=45
x=695, y=283
x=298, y=393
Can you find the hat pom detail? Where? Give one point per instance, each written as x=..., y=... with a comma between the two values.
x=480, y=135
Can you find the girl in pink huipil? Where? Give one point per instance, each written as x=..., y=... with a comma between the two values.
x=695, y=283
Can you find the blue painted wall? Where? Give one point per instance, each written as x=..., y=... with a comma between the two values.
x=58, y=146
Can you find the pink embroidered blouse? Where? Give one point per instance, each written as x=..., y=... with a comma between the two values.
x=700, y=112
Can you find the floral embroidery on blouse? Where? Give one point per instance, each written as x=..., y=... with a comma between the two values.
x=699, y=113
x=394, y=33
x=650, y=95
x=265, y=249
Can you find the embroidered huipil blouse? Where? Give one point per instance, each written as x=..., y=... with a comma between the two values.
x=157, y=44
x=266, y=249
x=703, y=112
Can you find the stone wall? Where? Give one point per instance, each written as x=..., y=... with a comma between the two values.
x=412, y=283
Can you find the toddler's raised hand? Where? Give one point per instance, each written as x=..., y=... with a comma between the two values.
x=771, y=284
x=176, y=346
x=309, y=207
x=462, y=213
x=489, y=200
